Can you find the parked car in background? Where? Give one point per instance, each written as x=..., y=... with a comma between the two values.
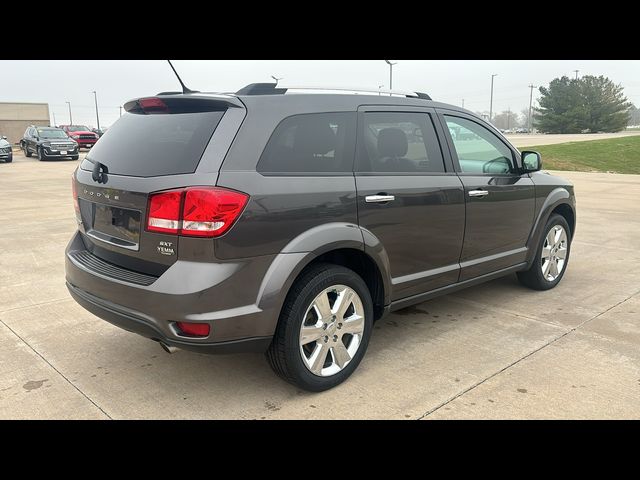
x=99, y=131
x=6, y=154
x=82, y=134
x=48, y=142
x=522, y=130
x=290, y=223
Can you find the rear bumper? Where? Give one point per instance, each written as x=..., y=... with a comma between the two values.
x=222, y=295
x=133, y=322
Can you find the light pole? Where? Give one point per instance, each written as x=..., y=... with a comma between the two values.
x=491, y=102
x=277, y=79
x=576, y=73
x=120, y=107
x=70, y=117
x=95, y=97
x=531, y=87
x=391, y=64
x=379, y=87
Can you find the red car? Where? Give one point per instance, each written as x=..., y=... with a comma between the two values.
x=81, y=134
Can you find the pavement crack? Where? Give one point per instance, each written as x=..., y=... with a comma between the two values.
x=550, y=342
x=55, y=369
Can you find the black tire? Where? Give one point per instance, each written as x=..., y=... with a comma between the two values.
x=284, y=352
x=533, y=277
x=27, y=153
x=41, y=154
x=75, y=157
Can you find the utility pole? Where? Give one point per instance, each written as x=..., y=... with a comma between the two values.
x=491, y=103
x=531, y=87
x=391, y=64
x=70, y=117
x=576, y=73
x=95, y=97
x=120, y=107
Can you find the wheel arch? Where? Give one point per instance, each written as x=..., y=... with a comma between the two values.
x=337, y=243
x=559, y=201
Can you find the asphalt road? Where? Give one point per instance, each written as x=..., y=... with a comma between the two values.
x=522, y=140
x=497, y=350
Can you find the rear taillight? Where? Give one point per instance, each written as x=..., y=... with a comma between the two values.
x=194, y=329
x=195, y=211
x=74, y=192
x=164, y=212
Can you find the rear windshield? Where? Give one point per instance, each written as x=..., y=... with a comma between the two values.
x=154, y=145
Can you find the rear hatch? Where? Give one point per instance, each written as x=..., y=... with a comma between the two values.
x=161, y=143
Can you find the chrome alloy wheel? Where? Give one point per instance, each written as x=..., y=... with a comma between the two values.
x=554, y=253
x=332, y=330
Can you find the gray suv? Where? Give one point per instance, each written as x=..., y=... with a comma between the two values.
x=286, y=222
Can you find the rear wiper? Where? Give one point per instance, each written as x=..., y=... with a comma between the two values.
x=99, y=172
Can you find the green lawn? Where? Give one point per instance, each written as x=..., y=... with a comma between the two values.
x=619, y=155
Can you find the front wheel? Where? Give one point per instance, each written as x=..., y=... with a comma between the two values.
x=27, y=153
x=41, y=155
x=324, y=328
x=552, y=256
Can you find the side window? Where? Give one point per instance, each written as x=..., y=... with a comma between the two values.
x=399, y=142
x=319, y=143
x=479, y=150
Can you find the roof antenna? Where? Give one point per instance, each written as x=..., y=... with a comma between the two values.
x=184, y=87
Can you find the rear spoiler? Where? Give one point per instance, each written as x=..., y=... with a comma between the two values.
x=180, y=103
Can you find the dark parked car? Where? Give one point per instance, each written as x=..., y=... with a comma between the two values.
x=82, y=134
x=48, y=142
x=99, y=131
x=289, y=223
x=6, y=153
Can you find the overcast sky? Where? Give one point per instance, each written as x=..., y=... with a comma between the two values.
x=450, y=81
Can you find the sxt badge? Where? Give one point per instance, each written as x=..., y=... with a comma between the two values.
x=166, y=248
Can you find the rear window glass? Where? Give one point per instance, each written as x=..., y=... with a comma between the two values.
x=154, y=145
x=320, y=143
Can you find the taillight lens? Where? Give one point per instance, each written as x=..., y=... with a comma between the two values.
x=195, y=211
x=74, y=192
x=194, y=329
x=209, y=212
x=164, y=212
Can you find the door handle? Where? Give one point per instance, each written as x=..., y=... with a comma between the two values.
x=380, y=198
x=478, y=193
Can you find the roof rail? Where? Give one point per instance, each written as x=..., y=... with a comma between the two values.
x=261, y=89
x=271, y=89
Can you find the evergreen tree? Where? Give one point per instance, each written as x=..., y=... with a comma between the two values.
x=588, y=104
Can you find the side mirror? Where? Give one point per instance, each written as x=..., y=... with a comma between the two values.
x=531, y=161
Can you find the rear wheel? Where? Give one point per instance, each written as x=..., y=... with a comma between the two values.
x=552, y=256
x=324, y=328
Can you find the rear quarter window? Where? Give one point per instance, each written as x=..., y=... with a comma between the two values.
x=308, y=144
x=154, y=145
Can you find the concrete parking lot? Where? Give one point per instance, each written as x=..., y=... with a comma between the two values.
x=497, y=350
x=524, y=140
